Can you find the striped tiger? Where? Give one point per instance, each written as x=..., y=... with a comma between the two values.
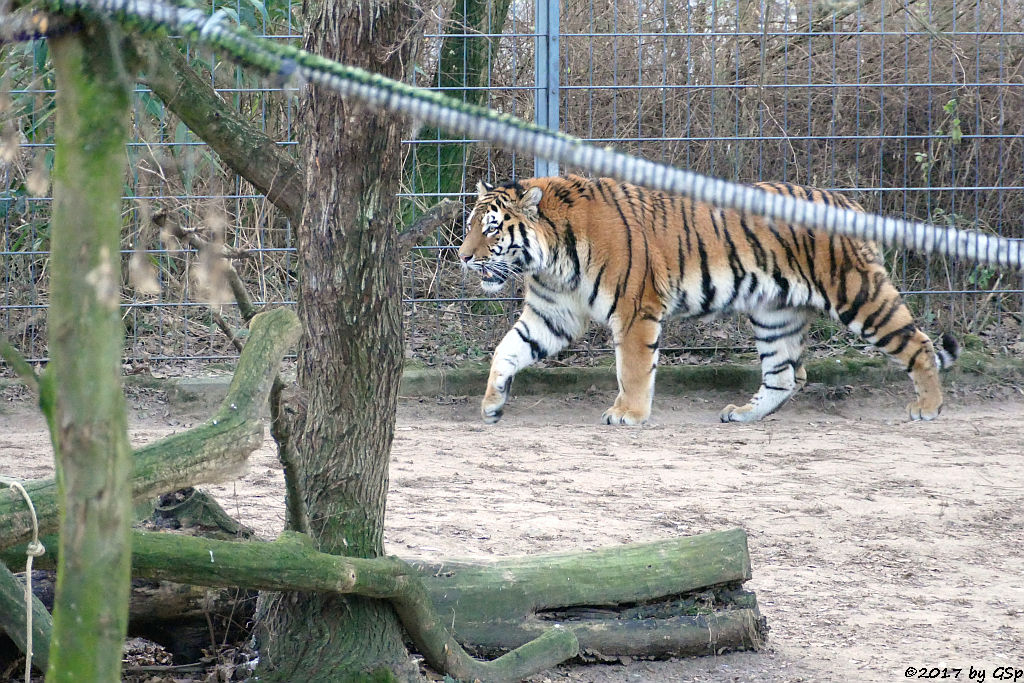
x=629, y=258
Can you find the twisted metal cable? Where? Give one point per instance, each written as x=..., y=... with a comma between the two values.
x=512, y=133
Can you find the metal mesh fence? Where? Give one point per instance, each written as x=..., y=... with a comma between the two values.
x=172, y=175
x=914, y=109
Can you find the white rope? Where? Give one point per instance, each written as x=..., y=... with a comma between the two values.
x=33, y=550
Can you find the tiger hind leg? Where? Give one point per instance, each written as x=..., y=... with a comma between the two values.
x=779, y=336
x=885, y=322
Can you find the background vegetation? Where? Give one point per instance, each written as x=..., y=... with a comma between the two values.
x=914, y=108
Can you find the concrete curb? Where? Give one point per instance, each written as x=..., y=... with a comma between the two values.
x=973, y=368
x=470, y=380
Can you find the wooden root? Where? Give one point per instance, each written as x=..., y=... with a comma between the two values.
x=210, y=452
x=290, y=563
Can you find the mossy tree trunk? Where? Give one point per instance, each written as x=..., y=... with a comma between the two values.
x=86, y=341
x=350, y=359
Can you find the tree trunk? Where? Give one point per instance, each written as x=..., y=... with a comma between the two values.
x=350, y=361
x=86, y=341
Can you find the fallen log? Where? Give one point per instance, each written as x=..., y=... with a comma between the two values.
x=291, y=564
x=185, y=619
x=12, y=617
x=679, y=597
x=213, y=451
x=668, y=598
x=177, y=563
x=671, y=598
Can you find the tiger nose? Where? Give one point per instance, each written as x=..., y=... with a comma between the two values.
x=466, y=258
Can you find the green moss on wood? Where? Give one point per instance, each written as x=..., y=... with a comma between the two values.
x=12, y=616
x=90, y=614
x=208, y=452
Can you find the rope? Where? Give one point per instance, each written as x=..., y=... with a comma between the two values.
x=33, y=550
x=32, y=25
x=507, y=131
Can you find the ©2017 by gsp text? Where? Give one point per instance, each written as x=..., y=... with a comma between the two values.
x=970, y=673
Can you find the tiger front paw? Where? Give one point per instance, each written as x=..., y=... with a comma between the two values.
x=493, y=405
x=624, y=416
x=734, y=413
x=924, y=410
x=490, y=413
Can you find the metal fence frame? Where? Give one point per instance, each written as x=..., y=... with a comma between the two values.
x=448, y=320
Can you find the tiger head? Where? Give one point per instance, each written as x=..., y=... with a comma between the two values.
x=503, y=238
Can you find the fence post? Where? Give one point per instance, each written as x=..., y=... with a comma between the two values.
x=546, y=75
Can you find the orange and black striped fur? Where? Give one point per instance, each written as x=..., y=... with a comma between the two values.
x=629, y=258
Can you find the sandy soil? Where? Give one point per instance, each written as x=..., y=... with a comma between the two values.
x=877, y=544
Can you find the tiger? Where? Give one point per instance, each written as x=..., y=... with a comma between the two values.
x=629, y=258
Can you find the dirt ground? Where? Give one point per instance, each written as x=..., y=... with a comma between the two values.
x=876, y=544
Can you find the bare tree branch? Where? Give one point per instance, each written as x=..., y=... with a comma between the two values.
x=193, y=239
x=439, y=214
x=249, y=152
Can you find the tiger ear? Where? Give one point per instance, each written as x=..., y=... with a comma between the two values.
x=531, y=198
x=483, y=188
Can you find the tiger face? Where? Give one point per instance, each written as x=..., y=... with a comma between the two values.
x=502, y=239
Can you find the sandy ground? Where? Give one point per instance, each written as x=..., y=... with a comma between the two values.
x=876, y=544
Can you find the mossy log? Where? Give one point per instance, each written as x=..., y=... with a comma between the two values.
x=213, y=451
x=677, y=597
x=12, y=615
x=666, y=598
x=291, y=564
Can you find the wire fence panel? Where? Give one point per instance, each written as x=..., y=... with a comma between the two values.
x=913, y=109
x=174, y=180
